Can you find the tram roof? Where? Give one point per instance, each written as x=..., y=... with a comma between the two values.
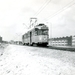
x=39, y=26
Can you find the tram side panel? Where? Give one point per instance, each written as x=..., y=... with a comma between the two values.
x=26, y=39
x=40, y=39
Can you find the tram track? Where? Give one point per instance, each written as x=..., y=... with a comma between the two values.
x=56, y=48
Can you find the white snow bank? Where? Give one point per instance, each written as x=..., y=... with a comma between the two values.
x=18, y=60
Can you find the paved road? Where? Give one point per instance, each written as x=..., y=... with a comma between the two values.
x=25, y=60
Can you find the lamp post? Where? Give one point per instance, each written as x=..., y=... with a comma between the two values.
x=51, y=33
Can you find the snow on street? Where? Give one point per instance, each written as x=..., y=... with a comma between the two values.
x=25, y=60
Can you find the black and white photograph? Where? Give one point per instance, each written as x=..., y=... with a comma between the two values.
x=37, y=37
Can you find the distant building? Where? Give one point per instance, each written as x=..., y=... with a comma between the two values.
x=6, y=42
x=18, y=42
x=73, y=40
x=61, y=41
x=12, y=42
x=0, y=39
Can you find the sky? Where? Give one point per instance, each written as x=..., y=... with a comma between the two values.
x=58, y=15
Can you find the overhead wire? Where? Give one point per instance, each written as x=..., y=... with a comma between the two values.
x=25, y=25
x=55, y=13
x=60, y=10
x=42, y=7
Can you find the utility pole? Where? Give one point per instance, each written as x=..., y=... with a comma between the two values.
x=50, y=32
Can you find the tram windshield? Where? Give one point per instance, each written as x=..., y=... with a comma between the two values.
x=43, y=32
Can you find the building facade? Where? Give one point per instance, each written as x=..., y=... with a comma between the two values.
x=61, y=41
x=0, y=39
x=73, y=40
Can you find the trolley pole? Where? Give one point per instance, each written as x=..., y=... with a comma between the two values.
x=33, y=22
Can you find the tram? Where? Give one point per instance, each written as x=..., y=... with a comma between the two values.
x=36, y=36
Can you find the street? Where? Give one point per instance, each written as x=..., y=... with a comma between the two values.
x=28, y=60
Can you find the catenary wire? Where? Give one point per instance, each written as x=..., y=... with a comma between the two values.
x=60, y=10
x=42, y=7
x=35, y=14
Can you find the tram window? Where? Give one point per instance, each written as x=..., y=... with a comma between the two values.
x=35, y=32
x=23, y=37
x=45, y=32
x=26, y=35
x=42, y=32
x=39, y=32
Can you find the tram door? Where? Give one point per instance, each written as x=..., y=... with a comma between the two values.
x=30, y=37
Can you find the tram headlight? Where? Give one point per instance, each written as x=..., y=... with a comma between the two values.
x=40, y=38
x=44, y=38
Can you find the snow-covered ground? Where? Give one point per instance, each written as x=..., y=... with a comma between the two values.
x=2, y=46
x=25, y=60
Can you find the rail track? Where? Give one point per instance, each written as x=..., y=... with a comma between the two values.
x=64, y=48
